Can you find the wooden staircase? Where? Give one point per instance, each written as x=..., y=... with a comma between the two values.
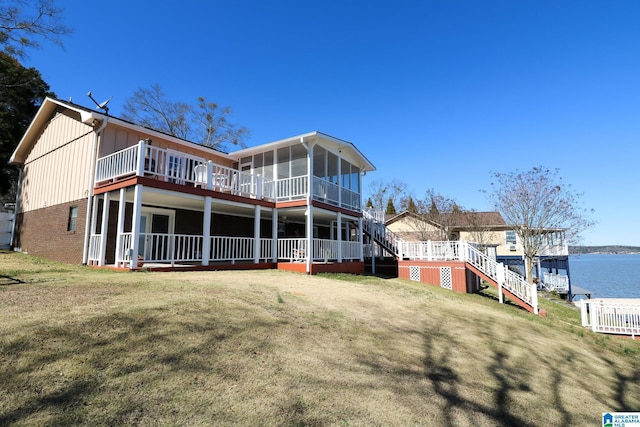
x=508, y=283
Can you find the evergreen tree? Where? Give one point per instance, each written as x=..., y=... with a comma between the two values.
x=22, y=90
x=391, y=209
x=411, y=206
x=369, y=203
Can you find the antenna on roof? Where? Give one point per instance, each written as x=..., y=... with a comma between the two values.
x=101, y=106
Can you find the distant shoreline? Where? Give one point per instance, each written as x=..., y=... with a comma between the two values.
x=611, y=249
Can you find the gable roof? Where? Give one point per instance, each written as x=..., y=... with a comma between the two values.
x=95, y=118
x=347, y=149
x=92, y=118
x=466, y=219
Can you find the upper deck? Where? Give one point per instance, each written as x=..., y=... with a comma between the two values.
x=168, y=165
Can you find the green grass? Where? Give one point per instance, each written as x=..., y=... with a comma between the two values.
x=82, y=346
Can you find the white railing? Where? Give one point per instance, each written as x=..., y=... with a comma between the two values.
x=182, y=168
x=620, y=316
x=430, y=250
x=468, y=252
x=520, y=288
x=325, y=249
x=350, y=199
x=157, y=247
x=374, y=224
x=554, y=250
x=116, y=165
x=95, y=241
x=326, y=191
x=125, y=246
x=172, y=248
x=224, y=248
x=555, y=282
x=295, y=188
x=351, y=250
x=293, y=249
x=375, y=215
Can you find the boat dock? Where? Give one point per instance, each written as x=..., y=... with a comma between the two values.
x=577, y=290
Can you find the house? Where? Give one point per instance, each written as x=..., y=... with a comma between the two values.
x=102, y=191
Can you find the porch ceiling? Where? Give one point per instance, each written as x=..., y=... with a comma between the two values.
x=168, y=199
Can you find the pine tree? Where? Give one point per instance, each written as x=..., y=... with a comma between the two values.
x=411, y=206
x=391, y=210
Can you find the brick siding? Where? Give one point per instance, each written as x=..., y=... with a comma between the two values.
x=43, y=232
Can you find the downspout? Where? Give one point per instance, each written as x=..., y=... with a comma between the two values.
x=16, y=208
x=91, y=183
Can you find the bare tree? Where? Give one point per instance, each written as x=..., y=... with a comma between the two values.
x=480, y=231
x=434, y=217
x=383, y=191
x=443, y=211
x=24, y=23
x=534, y=203
x=206, y=123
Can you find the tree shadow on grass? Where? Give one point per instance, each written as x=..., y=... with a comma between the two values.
x=121, y=360
x=8, y=280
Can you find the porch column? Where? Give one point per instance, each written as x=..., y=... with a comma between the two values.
x=206, y=231
x=122, y=204
x=256, y=235
x=360, y=239
x=340, y=178
x=309, y=226
x=274, y=235
x=135, y=226
x=104, y=228
x=339, y=236
x=91, y=226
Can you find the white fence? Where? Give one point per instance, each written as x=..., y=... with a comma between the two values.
x=555, y=282
x=6, y=226
x=620, y=316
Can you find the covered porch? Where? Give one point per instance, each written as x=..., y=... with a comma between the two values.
x=139, y=226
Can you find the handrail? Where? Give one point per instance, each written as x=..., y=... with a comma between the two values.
x=462, y=251
x=620, y=316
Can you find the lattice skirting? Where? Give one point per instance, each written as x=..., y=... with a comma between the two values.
x=446, y=278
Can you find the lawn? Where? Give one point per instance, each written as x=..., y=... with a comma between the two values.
x=82, y=346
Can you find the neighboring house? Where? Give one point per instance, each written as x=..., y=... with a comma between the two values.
x=154, y=200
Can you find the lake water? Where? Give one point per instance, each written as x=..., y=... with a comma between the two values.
x=607, y=275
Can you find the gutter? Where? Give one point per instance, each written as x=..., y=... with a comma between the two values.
x=91, y=118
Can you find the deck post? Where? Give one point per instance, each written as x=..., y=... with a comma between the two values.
x=141, y=150
x=339, y=236
x=500, y=275
x=206, y=230
x=309, y=230
x=122, y=204
x=274, y=235
x=135, y=226
x=104, y=228
x=361, y=239
x=209, y=177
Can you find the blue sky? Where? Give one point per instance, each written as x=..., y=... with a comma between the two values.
x=437, y=94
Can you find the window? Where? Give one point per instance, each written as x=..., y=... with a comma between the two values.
x=73, y=218
x=510, y=237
